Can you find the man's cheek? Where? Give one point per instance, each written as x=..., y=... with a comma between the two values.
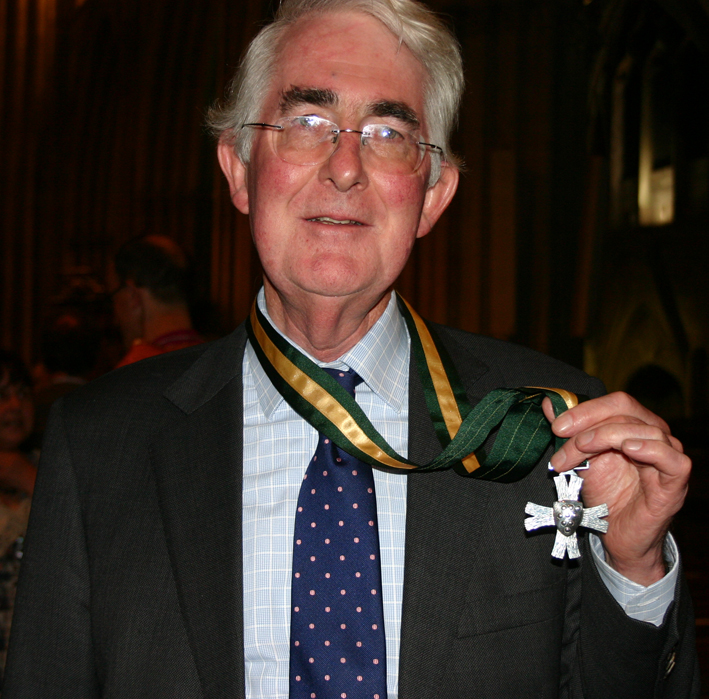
x=403, y=192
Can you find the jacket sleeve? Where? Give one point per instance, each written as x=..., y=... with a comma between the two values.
x=622, y=657
x=50, y=653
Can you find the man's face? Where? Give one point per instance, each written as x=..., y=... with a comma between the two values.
x=341, y=227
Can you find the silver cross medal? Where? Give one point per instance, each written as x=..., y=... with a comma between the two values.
x=567, y=514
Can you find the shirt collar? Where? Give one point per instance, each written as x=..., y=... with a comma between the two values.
x=381, y=358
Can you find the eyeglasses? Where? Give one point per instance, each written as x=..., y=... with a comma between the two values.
x=310, y=140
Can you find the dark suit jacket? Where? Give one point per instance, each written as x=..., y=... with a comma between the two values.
x=131, y=584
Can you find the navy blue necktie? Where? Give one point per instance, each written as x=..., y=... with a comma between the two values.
x=337, y=642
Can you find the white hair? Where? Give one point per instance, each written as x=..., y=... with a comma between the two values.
x=415, y=26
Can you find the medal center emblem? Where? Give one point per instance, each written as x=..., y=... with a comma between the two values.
x=567, y=516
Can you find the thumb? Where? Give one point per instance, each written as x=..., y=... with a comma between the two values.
x=548, y=409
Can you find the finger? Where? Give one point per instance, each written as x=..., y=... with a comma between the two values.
x=592, y=412
x=604, y=438
x=665, y=474
x=548, y=409
x=612, y=435
x=670, y=463
x=676, y=444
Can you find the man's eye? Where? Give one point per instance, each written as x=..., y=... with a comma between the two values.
x=387, y=133
x=306, y=122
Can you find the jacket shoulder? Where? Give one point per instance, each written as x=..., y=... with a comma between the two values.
x=517, y=365
x=144, y=384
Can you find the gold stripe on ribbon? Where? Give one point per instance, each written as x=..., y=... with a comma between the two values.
x=444, y=392
x=320, y=399
x=569, y=398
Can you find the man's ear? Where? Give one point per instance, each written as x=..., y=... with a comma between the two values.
x=134, y=296
x=437, y=198
x=235, y=172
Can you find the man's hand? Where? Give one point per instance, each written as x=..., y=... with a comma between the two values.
x=637, y=468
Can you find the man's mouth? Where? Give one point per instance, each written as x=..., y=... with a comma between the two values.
x=335, y=221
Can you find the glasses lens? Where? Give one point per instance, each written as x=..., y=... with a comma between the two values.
x=391, y=150
x=310, y=140
x=305, y=140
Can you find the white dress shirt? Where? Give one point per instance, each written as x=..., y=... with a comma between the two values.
x=278, y=445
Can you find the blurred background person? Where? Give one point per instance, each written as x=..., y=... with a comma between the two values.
x=69, y=349
x=17, y=458
x=18, y=470
x=152, y=282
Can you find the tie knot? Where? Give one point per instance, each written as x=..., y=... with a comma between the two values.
x=347, y=379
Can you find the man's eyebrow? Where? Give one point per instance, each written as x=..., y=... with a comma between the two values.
x=398, y=110
x=299, y=96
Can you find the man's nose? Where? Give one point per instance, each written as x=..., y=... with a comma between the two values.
x=344, y=168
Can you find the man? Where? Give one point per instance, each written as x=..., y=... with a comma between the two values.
x=176, y=484
x=151, y=276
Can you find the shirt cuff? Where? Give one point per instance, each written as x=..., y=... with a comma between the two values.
x=639, y=602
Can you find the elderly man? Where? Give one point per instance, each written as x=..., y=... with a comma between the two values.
x=208, y=523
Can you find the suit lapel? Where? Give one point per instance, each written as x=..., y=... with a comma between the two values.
x=440, y=560
x=198, y=465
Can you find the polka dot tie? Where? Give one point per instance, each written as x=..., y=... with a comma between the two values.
x=337, y=642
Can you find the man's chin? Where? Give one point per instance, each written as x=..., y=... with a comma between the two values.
x=328, y=289
x=335, y=276
x=337, y=290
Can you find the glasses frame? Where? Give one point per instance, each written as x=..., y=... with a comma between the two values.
x=337, y=131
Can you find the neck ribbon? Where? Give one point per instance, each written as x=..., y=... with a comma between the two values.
x=523, y=432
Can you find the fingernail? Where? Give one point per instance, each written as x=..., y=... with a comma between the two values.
x=584, y=438
x=563, y=423
x=632, y=444
x=557, y=460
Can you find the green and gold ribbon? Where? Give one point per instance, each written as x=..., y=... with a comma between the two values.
x=523, y=432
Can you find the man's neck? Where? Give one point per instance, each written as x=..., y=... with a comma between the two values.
x=325, y=327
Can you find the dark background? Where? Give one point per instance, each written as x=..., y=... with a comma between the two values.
x=580, y=226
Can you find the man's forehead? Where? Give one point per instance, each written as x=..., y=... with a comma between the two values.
x=347, y=59
x=299, y=96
